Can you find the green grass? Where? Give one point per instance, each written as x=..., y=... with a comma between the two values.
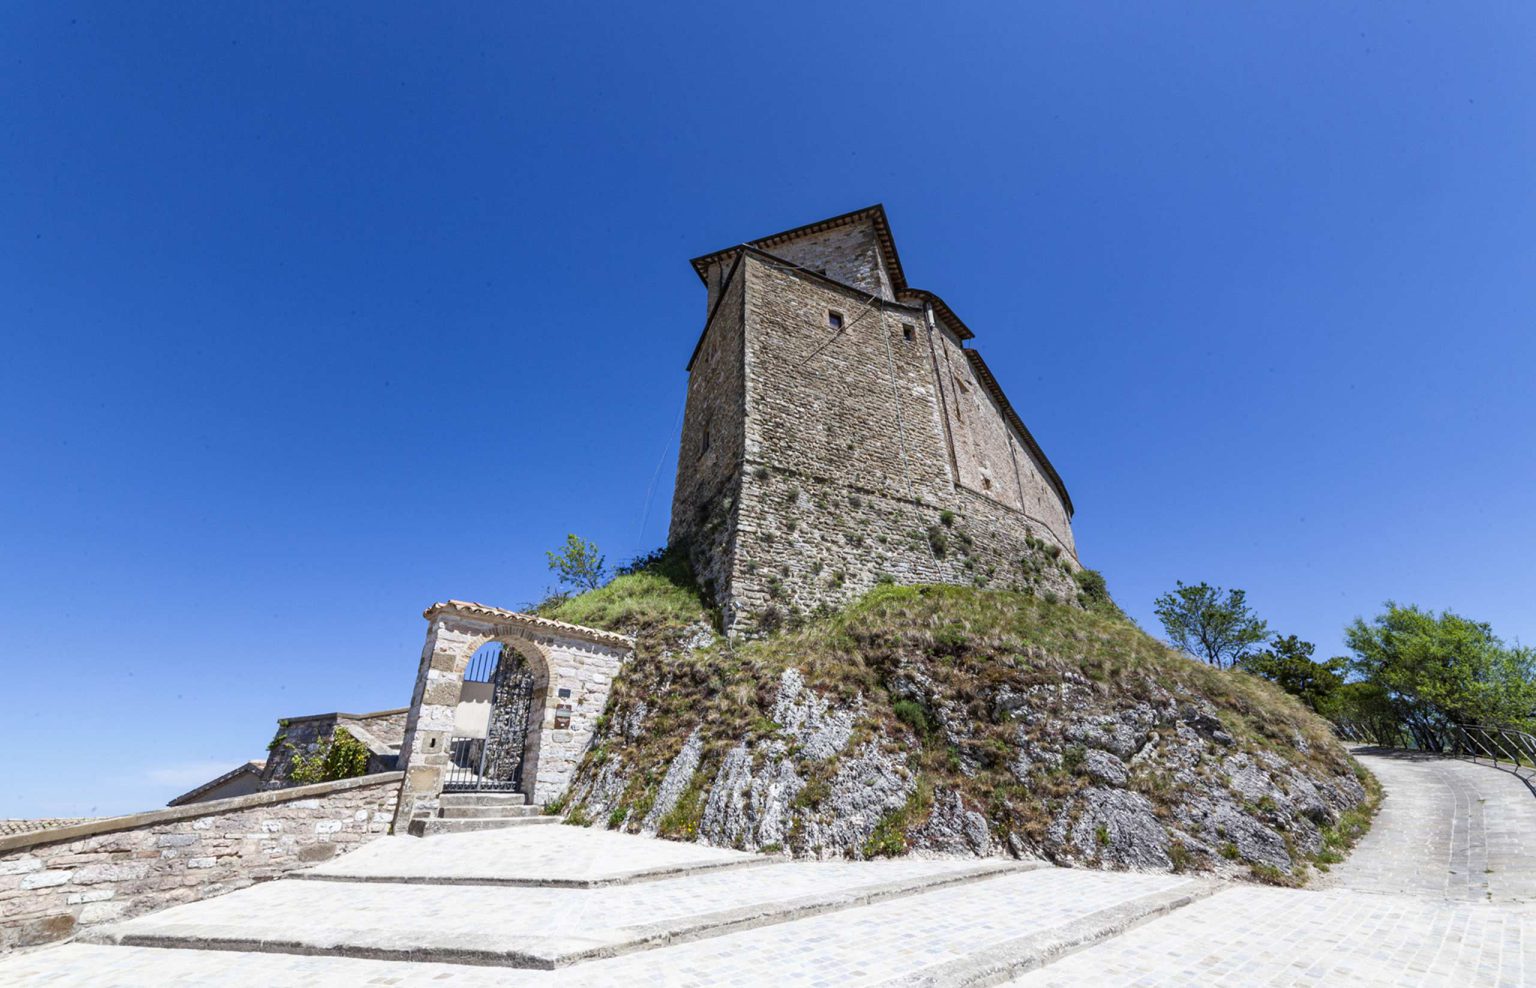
x=966, y=645
x=659, y=598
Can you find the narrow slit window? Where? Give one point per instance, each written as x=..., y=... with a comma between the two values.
x=834, y=319
x=907, y=332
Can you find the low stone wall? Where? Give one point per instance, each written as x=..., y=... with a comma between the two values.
x=54, y=882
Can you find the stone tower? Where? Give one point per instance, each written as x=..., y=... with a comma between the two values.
x=839, y=432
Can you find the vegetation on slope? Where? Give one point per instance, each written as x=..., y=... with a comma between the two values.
x=989, y=706
x=653, y=599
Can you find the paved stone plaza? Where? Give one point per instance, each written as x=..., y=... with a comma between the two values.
x=1438, y=894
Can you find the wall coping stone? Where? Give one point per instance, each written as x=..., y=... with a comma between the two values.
x=341, y=713
x=213, y=807
x=468, y=609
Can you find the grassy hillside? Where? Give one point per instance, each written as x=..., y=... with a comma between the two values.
x=981, y=720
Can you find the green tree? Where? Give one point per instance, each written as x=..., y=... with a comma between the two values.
x=1439, y=669
x=1367, y=710
x=1288, y=663
x=579, y=564
x=1210, y=623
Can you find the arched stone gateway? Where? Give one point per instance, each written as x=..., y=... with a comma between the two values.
x=551, y=681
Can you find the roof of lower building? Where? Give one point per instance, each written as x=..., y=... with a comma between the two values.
x=9, y=828
x=945, y=312
x=253, y=767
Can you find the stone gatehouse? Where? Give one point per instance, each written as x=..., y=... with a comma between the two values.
x=532, y=712
x=838, y=431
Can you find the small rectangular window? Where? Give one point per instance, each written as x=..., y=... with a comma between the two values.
x=907, y=332
x=835, y=319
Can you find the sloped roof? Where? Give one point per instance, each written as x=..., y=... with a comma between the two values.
x=254, y=766
x=945, y=312
x=11, y=828
x=874, y=214
x=984, y=375
x=549, y=625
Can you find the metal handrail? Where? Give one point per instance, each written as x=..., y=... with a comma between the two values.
x=1509, y=749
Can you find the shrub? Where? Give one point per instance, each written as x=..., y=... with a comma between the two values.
x=914, y=715
x=1090, y=583
x=341, y=756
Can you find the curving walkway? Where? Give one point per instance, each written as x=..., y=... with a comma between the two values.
x=1447, y=829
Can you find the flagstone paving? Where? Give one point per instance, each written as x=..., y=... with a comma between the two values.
x=869, y=945
x=1438, y=894
x=530, y=927
x=527, y=855
x=1447, y=829
x=1264, y=936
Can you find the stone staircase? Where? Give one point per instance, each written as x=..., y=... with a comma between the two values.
x=541, y=907
x=464, y=812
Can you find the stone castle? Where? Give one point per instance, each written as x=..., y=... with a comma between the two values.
x=839, y=432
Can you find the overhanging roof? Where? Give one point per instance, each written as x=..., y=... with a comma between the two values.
x=874, y=214
x=945, y=312
x=984, y=374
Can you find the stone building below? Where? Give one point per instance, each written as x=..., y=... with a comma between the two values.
x=839, y=432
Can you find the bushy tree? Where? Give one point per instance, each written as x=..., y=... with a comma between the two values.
x=1210, y=623
x=579, y=564
x=1440, y=669
x=1367, y=711
x=1288, y=663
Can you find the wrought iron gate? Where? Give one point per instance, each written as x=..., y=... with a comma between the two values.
x=492, y=760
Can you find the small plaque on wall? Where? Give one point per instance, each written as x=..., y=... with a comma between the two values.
x=562, y=716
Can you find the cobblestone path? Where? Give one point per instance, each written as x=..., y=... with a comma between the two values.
x=1447, y=829
x=1437, y=895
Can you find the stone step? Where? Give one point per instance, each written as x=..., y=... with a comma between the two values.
x=437, y=825
x=541, y=927
x=482, y=799
x=566, y=857
x=473, y=812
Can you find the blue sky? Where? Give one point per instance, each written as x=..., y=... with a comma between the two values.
x=314, y=317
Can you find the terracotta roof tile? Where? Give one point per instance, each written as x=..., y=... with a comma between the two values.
x=532, y=621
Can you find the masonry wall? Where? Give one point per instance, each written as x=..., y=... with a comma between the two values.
x=990, y=459
x=54, y=883
x=709, y=472
x=556, y=660
x=855, y=470
x=846, y=254
x=304, y=735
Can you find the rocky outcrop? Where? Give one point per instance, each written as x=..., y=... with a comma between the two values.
x=928, y=740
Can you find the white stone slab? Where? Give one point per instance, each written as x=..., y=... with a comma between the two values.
x=544, y=855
